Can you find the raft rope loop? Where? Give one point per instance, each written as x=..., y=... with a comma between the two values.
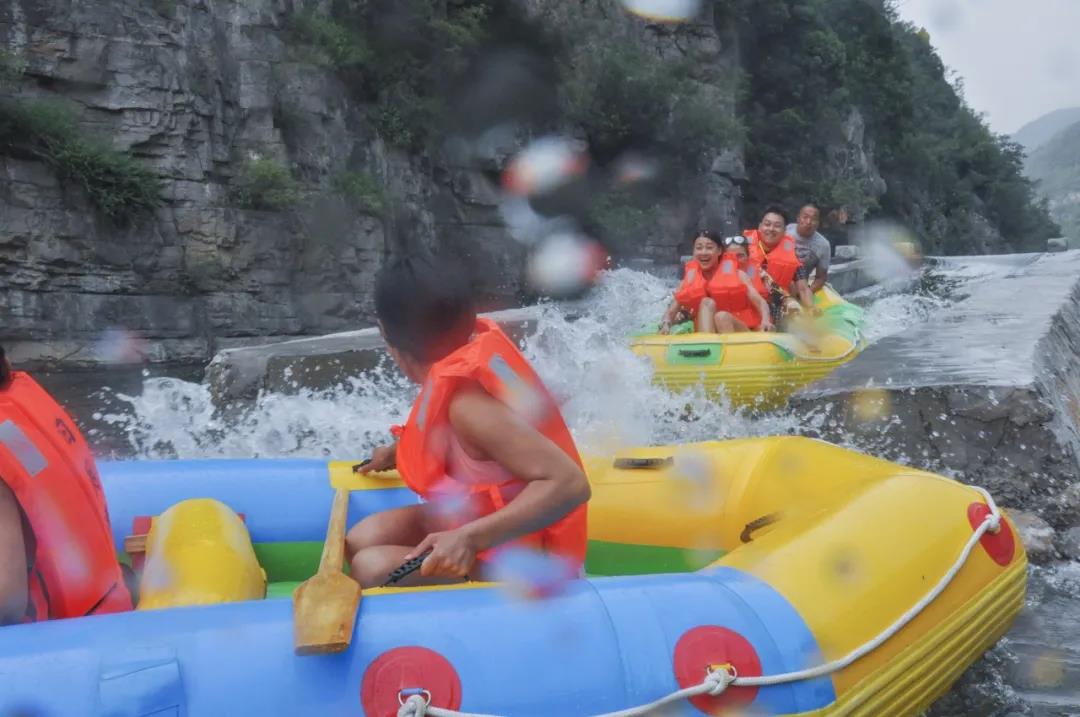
x=717, y=680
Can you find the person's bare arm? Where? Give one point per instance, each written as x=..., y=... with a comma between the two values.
x=802, y=291
x=556, y=484
x=13, y=584
x=759, y=303
x=820, y=277
x=669, y=317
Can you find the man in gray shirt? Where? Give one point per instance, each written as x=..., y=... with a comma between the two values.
x=812, y=248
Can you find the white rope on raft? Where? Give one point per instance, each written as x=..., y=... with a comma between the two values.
x=717, y=681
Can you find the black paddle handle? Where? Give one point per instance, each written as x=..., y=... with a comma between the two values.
x=407, y=568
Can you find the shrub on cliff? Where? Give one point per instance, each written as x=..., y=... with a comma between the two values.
x=115, y=182
x=362, y=189
x=263, y=183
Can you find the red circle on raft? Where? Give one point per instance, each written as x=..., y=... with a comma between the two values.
x=1000, y=546
x=707, y=645
x=408, y=668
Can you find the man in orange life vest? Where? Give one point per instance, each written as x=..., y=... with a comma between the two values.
x=774, y=252
x=484, y=445
x=57, y=557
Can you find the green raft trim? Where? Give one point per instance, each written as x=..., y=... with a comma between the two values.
x=287, y=564
x=604, y=558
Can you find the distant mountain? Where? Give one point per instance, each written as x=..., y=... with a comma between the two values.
x=1038, y=132
x=1056, y=167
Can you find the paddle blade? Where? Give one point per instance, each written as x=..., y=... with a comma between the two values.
x=324, y=613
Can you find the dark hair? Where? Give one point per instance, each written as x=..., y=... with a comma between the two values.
x=804, y=205
x=711, y=235
x=775, y=210
x=4, y=372
x=425, y=306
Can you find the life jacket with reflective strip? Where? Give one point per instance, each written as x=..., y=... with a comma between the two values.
x=724, y=287
x=781, y=263
x=47, y=465
x=731, y=294
x=491, y=360
x=693, y=288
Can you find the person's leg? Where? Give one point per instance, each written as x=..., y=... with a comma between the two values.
x=379, y=543
x=372, y=566
x=706, y=314
x=727, y=323
x=398, y=526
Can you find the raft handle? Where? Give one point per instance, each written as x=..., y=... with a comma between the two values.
x=643, y=463
x=695, y=353
x=753, y=525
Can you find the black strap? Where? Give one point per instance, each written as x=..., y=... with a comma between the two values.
x=643, y=463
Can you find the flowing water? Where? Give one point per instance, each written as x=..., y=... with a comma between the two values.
x=609, y=401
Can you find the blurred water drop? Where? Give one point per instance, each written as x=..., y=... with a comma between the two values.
x=157, y=577
x=631, y=168
x=565, y=264
x=545, y=165
x=890, y=251
x=870, y=404
x=1048, y=669
x=842, y=565
x=530, y=574
x=946, y=15
x=697, y=473
x=664, y=10
x=119, y=346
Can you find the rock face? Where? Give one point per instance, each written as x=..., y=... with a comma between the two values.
x=992, y=395
x=195, y=89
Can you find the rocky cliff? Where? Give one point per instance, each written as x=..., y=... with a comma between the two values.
x=297, y=143
x=203, y=91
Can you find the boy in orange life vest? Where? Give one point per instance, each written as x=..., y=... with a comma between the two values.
x=484, y=445
x=57, y=557
x=717, y=290
x=774, y=251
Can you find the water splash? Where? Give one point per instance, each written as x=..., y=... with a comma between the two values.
x=605, y=391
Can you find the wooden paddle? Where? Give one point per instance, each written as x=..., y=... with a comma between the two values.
x=325, y=605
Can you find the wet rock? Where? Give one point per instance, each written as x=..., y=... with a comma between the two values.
x=1037, y=535
x=993, y=398
x=319, y=362
x=1057, y=244
x=1068, y=543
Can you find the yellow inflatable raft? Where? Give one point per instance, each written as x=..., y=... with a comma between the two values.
x=774, y=576
x=758, y=369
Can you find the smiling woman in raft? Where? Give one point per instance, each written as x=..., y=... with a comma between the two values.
x=718, y=289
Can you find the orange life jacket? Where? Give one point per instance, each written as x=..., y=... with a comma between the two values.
x=731, y=295
x=48, y=466
x=491, y=360
x=724, y=287
x=780, y=263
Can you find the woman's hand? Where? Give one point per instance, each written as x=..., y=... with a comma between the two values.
x=767, y=324
x=665, y=327
x=383, y=458
x=453, y=554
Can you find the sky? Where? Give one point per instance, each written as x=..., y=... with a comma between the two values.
x=1019, y=58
